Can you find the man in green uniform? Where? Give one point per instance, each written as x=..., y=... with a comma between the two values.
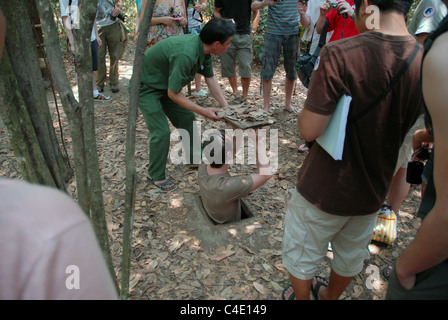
x=168, y=66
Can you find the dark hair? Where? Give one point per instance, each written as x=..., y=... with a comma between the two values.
x=217, y=29
x=401, y=6
x=221, y=138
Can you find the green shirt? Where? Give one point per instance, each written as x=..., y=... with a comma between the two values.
x=173, y=62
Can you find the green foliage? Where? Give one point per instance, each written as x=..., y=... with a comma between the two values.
x=258, y=43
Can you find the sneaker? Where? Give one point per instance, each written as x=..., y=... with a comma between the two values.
x=101, y=97
x=200, y=93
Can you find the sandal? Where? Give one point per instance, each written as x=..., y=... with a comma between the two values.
x=386, y=272
x=303, y=148
x=167, y=185
x=320, y=281
x=291, y=109
x=291, y=295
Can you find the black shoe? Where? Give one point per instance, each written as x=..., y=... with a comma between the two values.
x=115, y=90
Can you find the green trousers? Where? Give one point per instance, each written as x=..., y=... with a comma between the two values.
x=110, y=37
x=157, y=108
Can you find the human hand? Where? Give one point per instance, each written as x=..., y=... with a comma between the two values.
x=302, y=7
x=325, y=8
x=98, y=40
x=167, y=20
x=212, y=114
x=345, y=7
x=269, y=2
x=420, y=139
x=182, y=21
x=116, y=11
x=200, y=7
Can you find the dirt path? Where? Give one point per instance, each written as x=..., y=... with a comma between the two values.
x=177, y=253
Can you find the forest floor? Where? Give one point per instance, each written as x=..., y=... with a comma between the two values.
x=177, y=253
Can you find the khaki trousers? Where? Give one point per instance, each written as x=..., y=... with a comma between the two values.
x=110, y=37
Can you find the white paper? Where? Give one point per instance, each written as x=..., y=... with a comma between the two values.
x=333, y=138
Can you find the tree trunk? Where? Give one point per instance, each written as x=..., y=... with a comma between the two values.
x=130, y=149
x=83, y=61
x=21, y=48
x=71, y=107
x=80, y=115
x=21, y=132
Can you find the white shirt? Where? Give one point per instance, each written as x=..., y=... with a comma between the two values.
x=313, y=12
x=72, y=13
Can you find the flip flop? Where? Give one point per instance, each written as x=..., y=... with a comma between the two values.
x=303, y=148
x=320, y=281
x=291, y=296
x=386, y=272
x=292, y=109
x=164, y=186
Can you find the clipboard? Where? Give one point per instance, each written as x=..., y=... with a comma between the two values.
x=333, y=138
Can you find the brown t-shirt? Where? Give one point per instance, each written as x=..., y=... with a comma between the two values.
x=221, y=194
x=362, y=67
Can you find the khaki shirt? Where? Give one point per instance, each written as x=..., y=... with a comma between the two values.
x=221, y=194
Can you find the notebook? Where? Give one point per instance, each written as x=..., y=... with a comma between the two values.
x=333, y=138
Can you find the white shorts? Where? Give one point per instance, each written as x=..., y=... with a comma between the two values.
x=307, y=232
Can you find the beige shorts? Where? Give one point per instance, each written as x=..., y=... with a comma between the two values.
x=240, y=50
x=308, y=231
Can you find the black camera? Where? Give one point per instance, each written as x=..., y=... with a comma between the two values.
x=303, y=1
x=120, y=16
x=423, y=153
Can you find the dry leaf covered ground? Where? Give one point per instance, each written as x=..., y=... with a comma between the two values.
x=177, y=253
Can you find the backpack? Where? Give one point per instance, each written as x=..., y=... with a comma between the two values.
x=306, y=62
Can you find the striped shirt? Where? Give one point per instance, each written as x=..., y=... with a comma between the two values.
x=283, y=18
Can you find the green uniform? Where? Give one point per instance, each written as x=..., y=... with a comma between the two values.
x=171, y=63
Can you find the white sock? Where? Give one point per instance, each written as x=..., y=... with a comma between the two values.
x=95, y=93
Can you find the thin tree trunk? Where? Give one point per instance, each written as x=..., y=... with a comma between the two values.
x=72, y=108
x=80, y=115
x=83, y=61
x=130, y=149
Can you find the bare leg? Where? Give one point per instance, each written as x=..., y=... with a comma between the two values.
x=197, y=82
x=233, y=84
x=245, y=82
x=333, y=291
x=289, y=88
x=399, y=189
x=267, y=86
x=301, y=288
x=336, y=286
x=94, y=82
